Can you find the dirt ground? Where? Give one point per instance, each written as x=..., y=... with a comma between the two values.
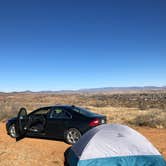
x=36, y=152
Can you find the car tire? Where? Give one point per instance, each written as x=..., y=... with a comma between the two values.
x=12, y=131
x=72, y=135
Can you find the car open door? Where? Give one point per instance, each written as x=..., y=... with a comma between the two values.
x=21, y=124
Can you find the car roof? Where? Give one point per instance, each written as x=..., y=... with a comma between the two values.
x=59, y=105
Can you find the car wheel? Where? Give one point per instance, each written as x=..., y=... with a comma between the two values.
x=72, y=135
x=12, y=131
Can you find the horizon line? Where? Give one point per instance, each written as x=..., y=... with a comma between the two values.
x=84, y=89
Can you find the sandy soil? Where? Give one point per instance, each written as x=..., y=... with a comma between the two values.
x=30, y=151
x=38, y=152
x=156, y=136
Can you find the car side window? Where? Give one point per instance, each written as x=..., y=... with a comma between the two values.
x=60, y=113
x=42, y=111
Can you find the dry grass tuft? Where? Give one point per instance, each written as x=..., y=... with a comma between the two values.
x=155, y=118
x=132, y=116
x=8, y=110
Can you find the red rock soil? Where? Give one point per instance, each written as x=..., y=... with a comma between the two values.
x=40, y=152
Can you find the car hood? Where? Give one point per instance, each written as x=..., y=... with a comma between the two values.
x=12, y=119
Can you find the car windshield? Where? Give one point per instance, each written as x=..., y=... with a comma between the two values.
x=83, y=111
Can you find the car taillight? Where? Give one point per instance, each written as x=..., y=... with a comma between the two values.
x=94, y=123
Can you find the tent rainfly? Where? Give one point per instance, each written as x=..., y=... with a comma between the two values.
x=113, y=145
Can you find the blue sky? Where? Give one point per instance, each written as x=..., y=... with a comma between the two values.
x=73, y=44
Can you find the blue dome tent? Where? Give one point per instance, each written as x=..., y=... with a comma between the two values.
x=113, y=145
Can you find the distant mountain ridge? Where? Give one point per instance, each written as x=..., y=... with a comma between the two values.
x=99, y=90
x=125, y=88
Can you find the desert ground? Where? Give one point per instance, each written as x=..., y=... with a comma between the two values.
x=145, y=112
x=39, y=152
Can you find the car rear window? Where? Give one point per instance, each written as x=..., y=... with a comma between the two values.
x=83, y=111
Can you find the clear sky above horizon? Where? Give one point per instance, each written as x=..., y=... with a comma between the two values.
x=74, y=44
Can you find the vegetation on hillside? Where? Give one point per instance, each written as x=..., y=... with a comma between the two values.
x=143, y=109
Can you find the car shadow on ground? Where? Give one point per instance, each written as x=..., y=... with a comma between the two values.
x=45, y=138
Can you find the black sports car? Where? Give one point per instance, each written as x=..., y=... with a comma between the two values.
x=57, y=122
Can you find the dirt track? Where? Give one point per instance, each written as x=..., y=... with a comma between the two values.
x=38, y=152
